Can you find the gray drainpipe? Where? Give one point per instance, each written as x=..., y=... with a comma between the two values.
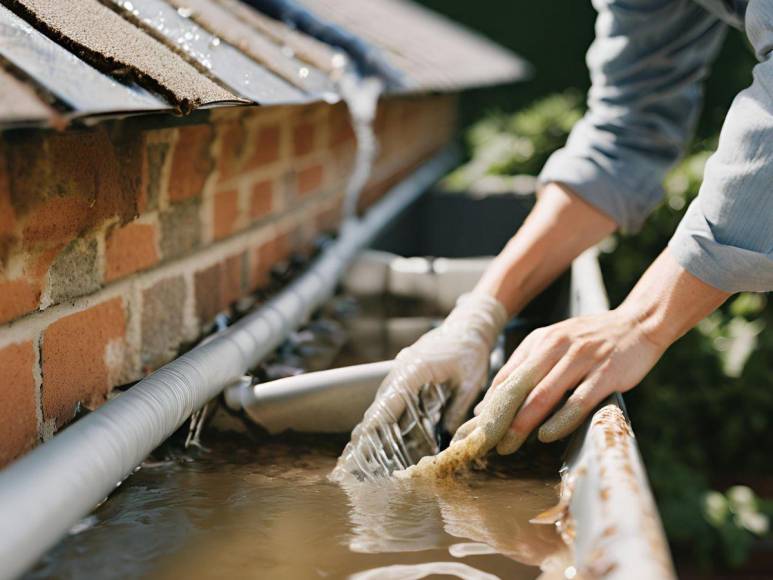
x=43, y=494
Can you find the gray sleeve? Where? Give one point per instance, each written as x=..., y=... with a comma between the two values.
x=647, y=65
x=726, y=236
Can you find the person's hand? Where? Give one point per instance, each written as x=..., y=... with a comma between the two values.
x=594, y=355
x=589, y=356
x=456, y=354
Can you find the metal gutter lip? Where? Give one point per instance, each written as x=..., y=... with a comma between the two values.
x=608, y=514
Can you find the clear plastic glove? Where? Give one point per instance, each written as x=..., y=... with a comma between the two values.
x=455, y=354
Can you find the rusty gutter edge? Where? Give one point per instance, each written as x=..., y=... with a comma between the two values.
x=610, y=518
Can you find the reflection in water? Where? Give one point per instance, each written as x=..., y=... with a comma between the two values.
x=266, y=509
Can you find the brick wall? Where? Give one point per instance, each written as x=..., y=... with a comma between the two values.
x=120, y=243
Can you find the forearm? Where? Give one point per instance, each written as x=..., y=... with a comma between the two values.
x=559, y=228
x=667, y=301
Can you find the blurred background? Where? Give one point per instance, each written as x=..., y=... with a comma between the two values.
x=703, y=416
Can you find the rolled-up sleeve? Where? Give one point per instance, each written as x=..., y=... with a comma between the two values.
x=726, y=236
x=647, y=65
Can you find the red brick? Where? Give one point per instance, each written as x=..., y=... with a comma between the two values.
x=130, y=148
x=104, y=172
x=192, y=162
x=341, y=130
x=57, y=220
x=18, y=409
x=18, y=297
x=343, y=162
x=233, y=138
x=207, y=288
x=231, y=280
x=309, y=180
x=261, y=199
x=130, y=249
x=75, y=359
x=157, y=153
x=265, y=148
x=225, y=213
x=265, y=256
x=303, y=139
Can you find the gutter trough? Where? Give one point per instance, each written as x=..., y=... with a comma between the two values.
x=607, y=511
x=606, y=514
x=43, y=494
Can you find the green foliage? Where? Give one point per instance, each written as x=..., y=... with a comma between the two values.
x=702, y=415
x=518, y=143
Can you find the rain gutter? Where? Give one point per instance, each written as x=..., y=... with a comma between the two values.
x=43, y=494
x=608, y=516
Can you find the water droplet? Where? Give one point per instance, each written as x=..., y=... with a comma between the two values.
x=339, y=60
x=215, y=41
x=303, y=72
x=570, y=572
x=184, y=12
x=128, y=5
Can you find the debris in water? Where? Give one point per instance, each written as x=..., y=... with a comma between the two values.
x=481, y=433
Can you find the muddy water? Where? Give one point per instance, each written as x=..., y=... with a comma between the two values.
x=265, y=509
x=253, y=506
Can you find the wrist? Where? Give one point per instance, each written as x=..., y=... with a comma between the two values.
x=668, y=301
x=559, y=228
x=481, y=312
x=651, y=322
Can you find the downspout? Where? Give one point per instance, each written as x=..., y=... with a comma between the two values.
x=43, y=494
x=363, y=75
x=368, y=60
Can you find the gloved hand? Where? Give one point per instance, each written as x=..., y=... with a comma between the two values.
x=456, y=354
x=592, y=356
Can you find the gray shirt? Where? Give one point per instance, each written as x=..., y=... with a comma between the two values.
x=648, y=63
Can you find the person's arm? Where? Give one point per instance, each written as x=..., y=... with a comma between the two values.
x=560, y=226
x=598, y=355
x=726, y=236
x=723, y=245
x=647, y=66
x=594, y=355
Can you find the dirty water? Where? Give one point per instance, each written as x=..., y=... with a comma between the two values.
x=248, y=505
x=265, y=509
